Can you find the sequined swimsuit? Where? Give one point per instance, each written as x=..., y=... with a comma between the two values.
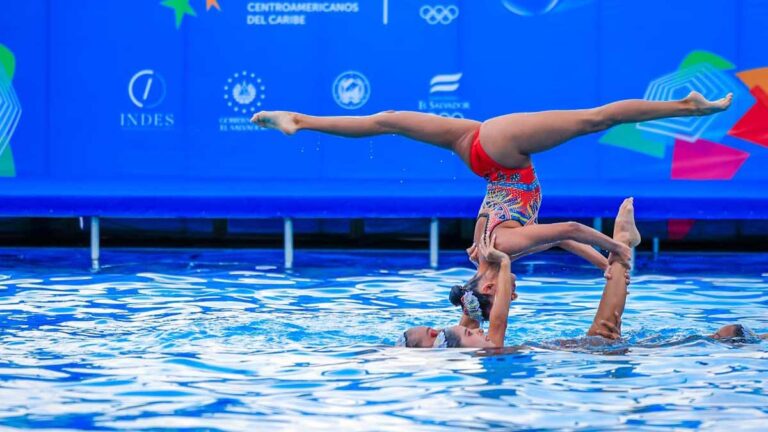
x=511, y=194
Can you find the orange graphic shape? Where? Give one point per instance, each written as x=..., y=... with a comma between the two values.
x=212, y=3
x=754, y=77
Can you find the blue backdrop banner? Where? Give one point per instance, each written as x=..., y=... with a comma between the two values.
x=133, y=97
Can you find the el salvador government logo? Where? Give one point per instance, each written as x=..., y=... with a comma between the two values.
x=351, y=90
x=439, y=14
x=147, y=89
x=244, y=92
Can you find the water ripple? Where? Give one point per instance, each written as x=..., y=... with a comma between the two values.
x=224, y=340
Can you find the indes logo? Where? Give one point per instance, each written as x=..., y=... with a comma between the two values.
x=702, y=147
x=10, y=111
x=351, y=90
x=439, y=14
x=443, y=99
x=147, y=90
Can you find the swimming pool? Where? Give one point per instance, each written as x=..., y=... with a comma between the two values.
x=224, y=340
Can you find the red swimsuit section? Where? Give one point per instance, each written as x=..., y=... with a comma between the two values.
x=511, y=194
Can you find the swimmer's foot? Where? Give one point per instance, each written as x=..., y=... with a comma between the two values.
x=283, y=121
x=625, y=230
x=701, y=106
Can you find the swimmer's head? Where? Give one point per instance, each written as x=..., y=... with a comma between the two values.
x=476, y=296
x=736, y=333
x=462, y=337
x=475, y=300
x=418, y=337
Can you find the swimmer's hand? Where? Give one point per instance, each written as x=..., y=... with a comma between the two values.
x=622, y=255
x=472, y=253
x=608, y=275
x=490, y=253
x=612, y=331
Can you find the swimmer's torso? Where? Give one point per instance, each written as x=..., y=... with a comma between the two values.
x=512, y=196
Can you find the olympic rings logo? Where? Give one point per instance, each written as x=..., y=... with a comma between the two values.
x=439, y=14
x=456, y=115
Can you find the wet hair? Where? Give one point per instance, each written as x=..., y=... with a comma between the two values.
x=738, y=332
x=742, y=334
x=458, y=291
x=402, y=341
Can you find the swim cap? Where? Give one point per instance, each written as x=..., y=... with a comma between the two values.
x=440, y=341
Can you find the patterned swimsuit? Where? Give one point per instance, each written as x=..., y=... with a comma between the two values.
x=511, y=194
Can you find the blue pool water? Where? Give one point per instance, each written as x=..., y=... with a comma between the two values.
x=225, y=340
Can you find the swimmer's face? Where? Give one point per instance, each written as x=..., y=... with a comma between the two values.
x=471, y=338
x=421, y=337
x=729, y=332
x=487, y=285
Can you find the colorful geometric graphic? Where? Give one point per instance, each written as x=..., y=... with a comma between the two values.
x=753, y=127
x=678, y=229
x=10, y=111
x=698, y=153
x=705, y=160
x=631, y=137
x=704, y=78
x=182, y=8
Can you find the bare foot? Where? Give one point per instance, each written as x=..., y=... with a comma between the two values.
x=702, y=106
x=624, y=229
x=283, y=121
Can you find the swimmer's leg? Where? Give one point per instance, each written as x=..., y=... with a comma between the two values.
x=579, y=249
x=532, y=238
x=511, y=139
x=448, y=133
x=607, y=321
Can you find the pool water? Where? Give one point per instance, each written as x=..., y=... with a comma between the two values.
x=226, y=340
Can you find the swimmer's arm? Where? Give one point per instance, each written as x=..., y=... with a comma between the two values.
x=468, y=322
x=763, y=336
x=500, y=310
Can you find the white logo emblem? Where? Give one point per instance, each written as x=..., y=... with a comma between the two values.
x=439, y=14
x=530, y=8
x=443, y=99
x=147, y=89
x=351, y=90
x=244, y=92
x=444, y=83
